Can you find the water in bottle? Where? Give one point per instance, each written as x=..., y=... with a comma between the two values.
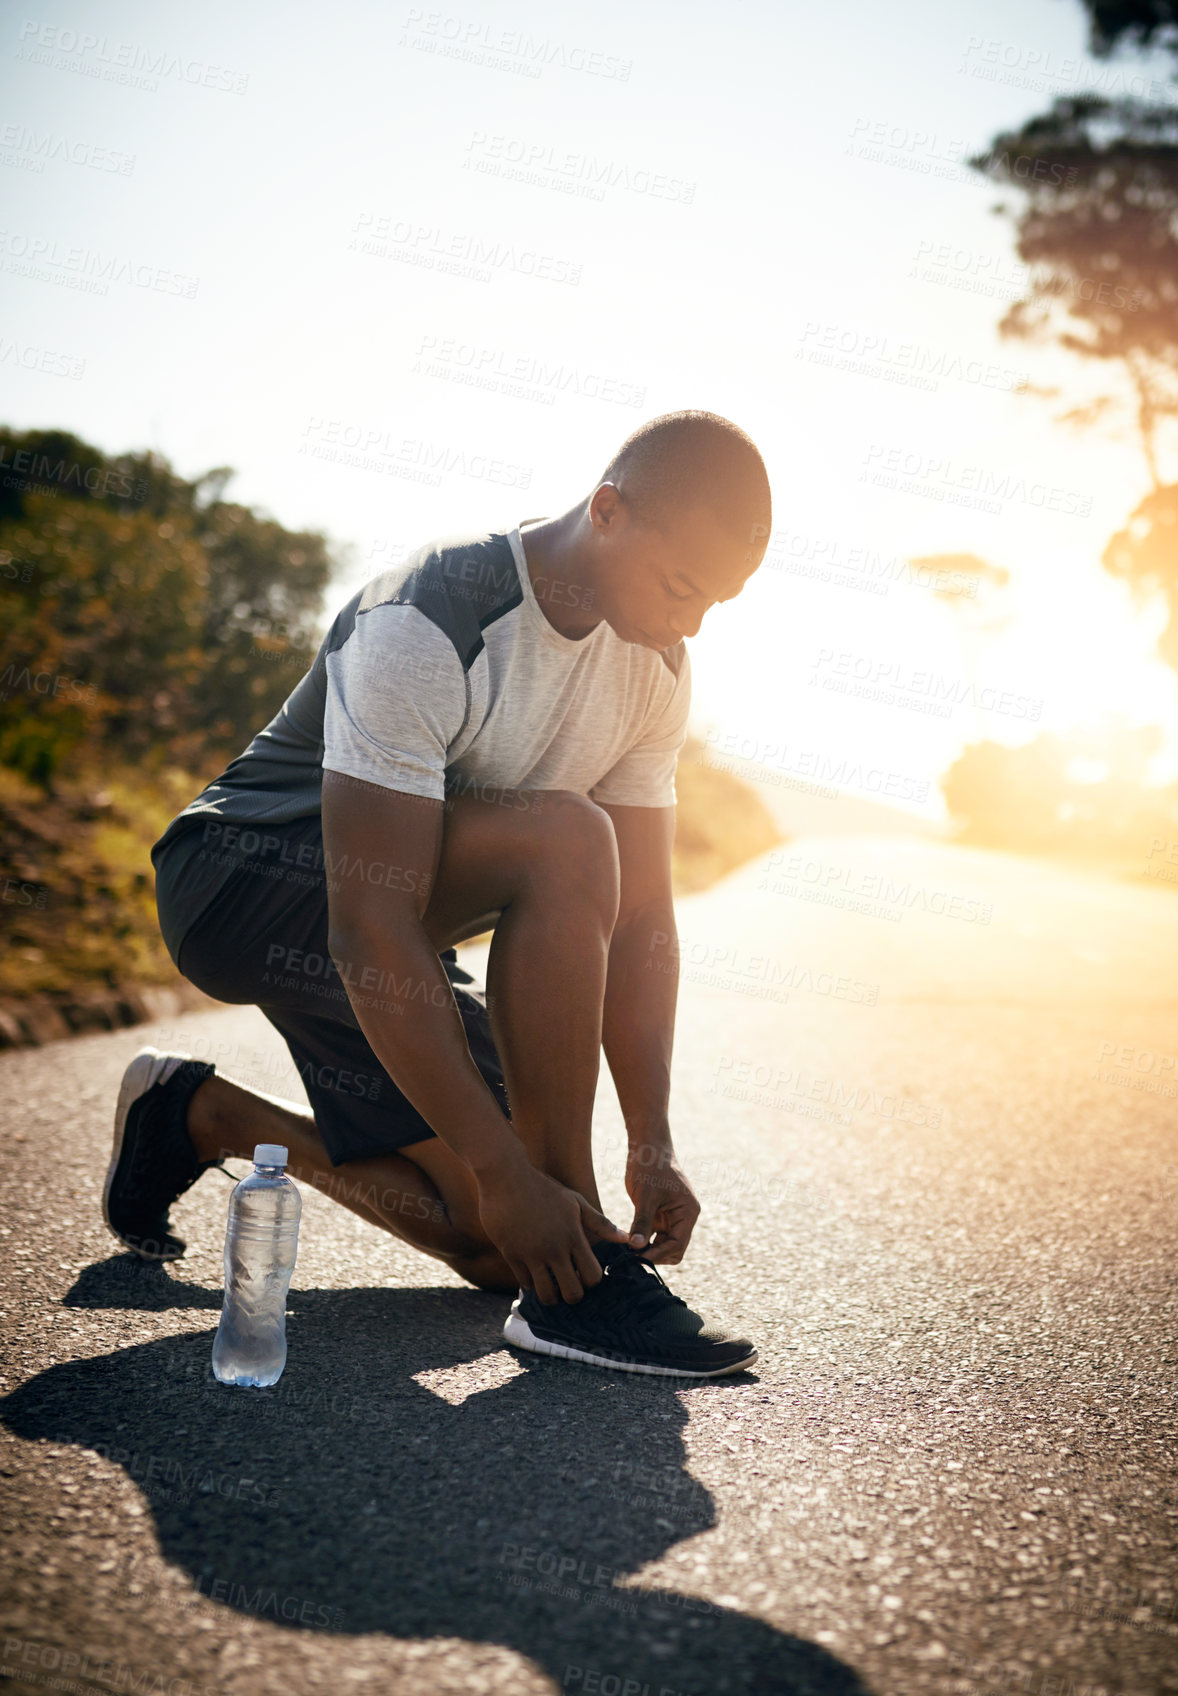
x=260, y=1243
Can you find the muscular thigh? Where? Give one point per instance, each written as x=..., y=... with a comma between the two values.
x=490, y=848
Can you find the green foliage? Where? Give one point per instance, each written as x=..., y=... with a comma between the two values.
x=79, y=908
x=141, y=613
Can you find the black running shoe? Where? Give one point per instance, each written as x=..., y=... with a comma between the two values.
x=630, y=1321
x=153, y=1160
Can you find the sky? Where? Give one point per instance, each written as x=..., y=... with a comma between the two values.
x=413, y=272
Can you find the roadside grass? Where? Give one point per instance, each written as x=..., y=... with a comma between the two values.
x=721, y=822
x=77, y=900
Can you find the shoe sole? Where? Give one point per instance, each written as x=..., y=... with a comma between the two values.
x=519, y=1333
x=146, y=1070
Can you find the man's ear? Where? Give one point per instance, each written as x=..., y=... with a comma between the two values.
x=607, y=509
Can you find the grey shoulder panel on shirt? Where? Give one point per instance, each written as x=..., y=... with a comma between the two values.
x=461, y=586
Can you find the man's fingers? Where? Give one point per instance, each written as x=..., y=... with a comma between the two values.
x=670, y=1244
x=643, y=1223
x=663, y=1251
x=597, y=1225
x=587, y=1264
x=545, y=1286
x=569, y=1279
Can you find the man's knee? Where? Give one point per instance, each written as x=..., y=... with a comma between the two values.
x=486, y=1271
x=574, y=846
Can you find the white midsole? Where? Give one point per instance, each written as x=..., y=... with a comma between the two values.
x=518, y=1332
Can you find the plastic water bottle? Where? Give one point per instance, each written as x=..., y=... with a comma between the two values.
x=261, y=1240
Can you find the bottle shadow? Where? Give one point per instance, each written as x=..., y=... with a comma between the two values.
x=373, y=1490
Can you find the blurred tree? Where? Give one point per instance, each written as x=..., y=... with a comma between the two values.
x=1131, y=23
x=1145, y=554
x=1008, y=797
x=1097, y=228
x=140, y=612
x=1083, y=795
x=262, y=604
x=1098, y=231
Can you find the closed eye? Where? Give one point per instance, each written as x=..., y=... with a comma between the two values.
x=674, y=595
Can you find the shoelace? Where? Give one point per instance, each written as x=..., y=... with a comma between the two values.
x=207, y=1166
x=631, y=1271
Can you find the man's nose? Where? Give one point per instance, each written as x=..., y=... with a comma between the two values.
x=687, y=623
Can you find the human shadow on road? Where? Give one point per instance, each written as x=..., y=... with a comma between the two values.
x=147, y=1286
x=352, y=1497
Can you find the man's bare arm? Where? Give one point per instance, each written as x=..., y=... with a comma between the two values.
x=398, y=987
x=639, y=1025
x=395, y=980
x=643, y=981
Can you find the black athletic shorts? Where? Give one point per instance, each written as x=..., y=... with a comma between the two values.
x=243, y=911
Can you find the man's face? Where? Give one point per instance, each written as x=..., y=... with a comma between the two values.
x=656, y=584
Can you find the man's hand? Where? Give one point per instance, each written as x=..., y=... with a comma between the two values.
x=543, y=1230
x=665, y=1205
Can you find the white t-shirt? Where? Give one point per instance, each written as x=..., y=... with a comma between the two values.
x=422, y=701
x=444, y=675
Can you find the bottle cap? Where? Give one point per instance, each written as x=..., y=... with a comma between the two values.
x=270, y=1154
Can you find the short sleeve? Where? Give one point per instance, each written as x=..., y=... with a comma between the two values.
x=396, y=700
x=645, y=774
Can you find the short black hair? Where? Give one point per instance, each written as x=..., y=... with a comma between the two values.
x=691, y=459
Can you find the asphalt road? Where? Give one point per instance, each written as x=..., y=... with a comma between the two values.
x=937, y=1147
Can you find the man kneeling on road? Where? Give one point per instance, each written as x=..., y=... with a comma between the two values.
x=486, y=741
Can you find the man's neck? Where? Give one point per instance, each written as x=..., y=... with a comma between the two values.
x=563, y=580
